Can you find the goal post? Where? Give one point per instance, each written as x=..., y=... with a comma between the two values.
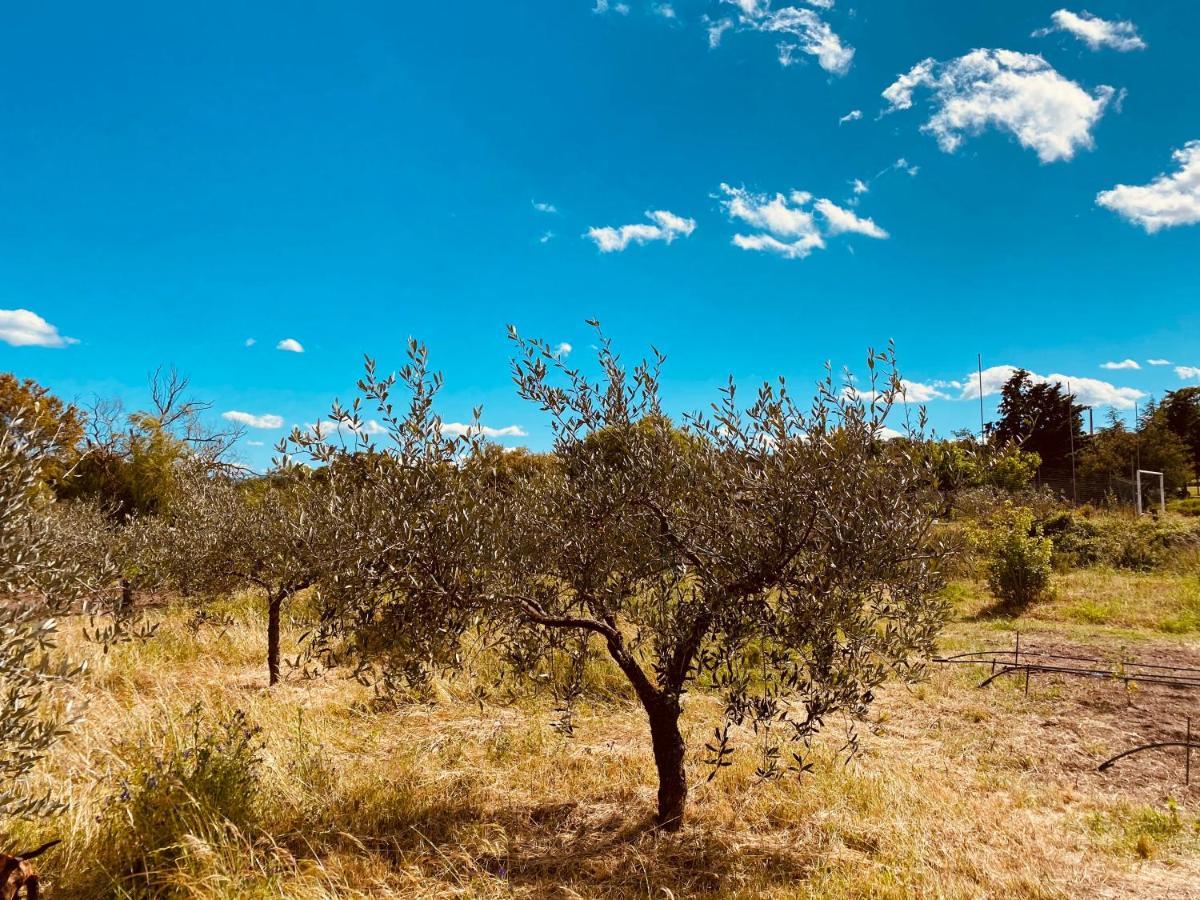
x=1162, y=493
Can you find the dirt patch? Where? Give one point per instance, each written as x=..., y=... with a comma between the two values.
x=1073, y=723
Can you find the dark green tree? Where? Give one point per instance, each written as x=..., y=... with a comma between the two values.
x=1039, y=417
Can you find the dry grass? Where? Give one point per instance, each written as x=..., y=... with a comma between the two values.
x=957, y=792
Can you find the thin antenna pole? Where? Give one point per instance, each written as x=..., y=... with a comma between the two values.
x=1071, y=431
x=982, y=428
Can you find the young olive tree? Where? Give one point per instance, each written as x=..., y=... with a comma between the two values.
x=784, y=555
x=401, y=576
x=267, y=533
x=34, y=582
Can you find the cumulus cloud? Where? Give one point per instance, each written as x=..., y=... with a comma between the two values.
x=843, y=221
x=290, y=345
x=250, y=420
x=563, y=350
x=1167, y=201
x=461, y=428
x=860, y=186
x=541, y=207
x=1123, y=364
x=1019, y=93
x=1087, y=391
x=603, y=6
x=667, y=226
x=1094, y=31
x=666, y=10
x=24, y=328
x=787, y=226
x=853, y=116
x=807, y=31
x=1187, y=372
x=1158, y=362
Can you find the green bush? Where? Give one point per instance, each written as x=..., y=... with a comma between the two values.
x=1188, y=507
x=1018, y=557
x=1124, y=542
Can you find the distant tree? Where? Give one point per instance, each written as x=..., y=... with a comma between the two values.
x=133, y=459
x=29, y=406
x=1179, y=411
x=1039, y=417
x=1115, y=452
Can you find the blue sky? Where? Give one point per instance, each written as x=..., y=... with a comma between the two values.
x=180, y=179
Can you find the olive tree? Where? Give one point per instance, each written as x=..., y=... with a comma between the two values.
x=401, y=579
x=783, y=554
x=34, y=582
x=268, y=533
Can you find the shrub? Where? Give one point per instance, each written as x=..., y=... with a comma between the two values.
x=1018, y=554
x=203, y=781
x=1123, y=542
x=1188, y=507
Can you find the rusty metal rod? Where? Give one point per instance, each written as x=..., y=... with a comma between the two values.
x=1156, y=745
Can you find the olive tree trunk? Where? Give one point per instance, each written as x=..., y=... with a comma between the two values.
x=274, y=605
x=668, y=759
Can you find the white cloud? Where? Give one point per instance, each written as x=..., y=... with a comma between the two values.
x=787, y=226
x=250, y=420
x=717, y=29
x=541, y=207
x=667, y=226
x=1123, y=364
x=290, y=345
x=1167, y=201
x=666, y=10
x=1019, y=93
x=546, y=237
x=860, y=186
x=255, y=444
x=1158, y=362
x=603, y=6
x=913, y=392
x=843, y=221
x=1095, y=32
x=853, y=116
x=250, y=342
x=1087, y=391
x=461, y=428
x=24, y=328
x=563, y=350
x=1186, y=372
x=813, y=35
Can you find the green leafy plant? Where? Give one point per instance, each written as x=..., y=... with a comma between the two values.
x=1018, y=557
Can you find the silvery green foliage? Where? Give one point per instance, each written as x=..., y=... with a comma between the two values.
x=400, y=579
x=784, y=554
x=33, y=581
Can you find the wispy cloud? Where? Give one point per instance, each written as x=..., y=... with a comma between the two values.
x=1094, y=31
x=1167, y=201
x=843, y=221
x=1123, y=364
x=1158, y=362
x=24, y=328
x=666, y=227
x=603, y=6
x=250, y=420
x=1019, y=93
x=548, y=208
x=853, y=116
x=461, y=428
x=290, y=345
x=802, y=29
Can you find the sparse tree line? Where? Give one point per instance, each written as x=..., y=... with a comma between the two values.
x=787, y=557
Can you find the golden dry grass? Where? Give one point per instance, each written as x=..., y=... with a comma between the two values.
x=957, y=792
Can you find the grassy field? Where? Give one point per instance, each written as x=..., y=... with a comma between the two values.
x=957, y=791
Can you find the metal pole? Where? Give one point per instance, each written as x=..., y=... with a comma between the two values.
x=1138, y=488
x=1071, y=429
x=982, y=427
